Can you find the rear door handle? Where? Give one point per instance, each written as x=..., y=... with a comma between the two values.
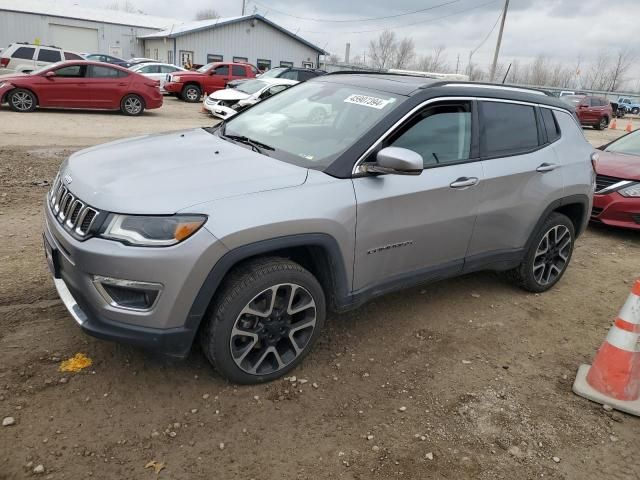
x=464, y=182
x=547, y=167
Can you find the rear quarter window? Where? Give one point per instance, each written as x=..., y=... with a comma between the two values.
x=550, y=125
x=507, y=129
x=25, y=53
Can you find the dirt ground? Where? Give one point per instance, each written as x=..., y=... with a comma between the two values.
x=484, y=369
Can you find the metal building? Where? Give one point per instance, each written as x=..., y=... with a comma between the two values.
x=249, y=38
x=78, y=29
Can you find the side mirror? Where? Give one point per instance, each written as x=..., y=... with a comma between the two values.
x=50, y=74
x=396, y=161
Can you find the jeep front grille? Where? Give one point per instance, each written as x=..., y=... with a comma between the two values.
x=71, y=212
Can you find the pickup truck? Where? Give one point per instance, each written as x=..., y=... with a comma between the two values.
x=189, y=86
x=630, y=105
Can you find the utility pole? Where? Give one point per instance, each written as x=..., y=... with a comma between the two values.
x=497, y=52
x=458, y=63
x=244, y=6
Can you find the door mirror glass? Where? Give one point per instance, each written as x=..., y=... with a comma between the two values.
x=398, y=161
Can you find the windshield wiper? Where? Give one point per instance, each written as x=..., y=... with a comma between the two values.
x=254, y=144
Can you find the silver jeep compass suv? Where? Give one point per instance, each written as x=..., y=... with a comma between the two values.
x=245, y=234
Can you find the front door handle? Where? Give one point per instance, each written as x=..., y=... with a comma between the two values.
x=464, y=182
x=547, y=167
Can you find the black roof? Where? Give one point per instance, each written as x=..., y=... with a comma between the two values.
x=409, y=85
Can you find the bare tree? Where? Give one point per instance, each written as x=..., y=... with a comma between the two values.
x=333, y=58
x=598, y=77
x=123, y=6
x=405, y=53
x=382, y=50
x=207, y=14
x=623, y=62
x=434, y=62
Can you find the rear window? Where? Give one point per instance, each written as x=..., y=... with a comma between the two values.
x=238, y=71
x=98, y=71
x=24, y=52
x=72, y=56
x=507, y=128
x=550, y=125
x=51, y=56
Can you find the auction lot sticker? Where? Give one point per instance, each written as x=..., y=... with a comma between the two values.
x=367, y=101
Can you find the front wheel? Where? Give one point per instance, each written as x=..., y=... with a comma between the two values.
x=264, y=321
x=21, y=100
x=191, y=93
x=602, y=124
x=132, y=105
x=548, y=255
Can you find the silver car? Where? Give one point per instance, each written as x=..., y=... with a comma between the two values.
x=245, y=234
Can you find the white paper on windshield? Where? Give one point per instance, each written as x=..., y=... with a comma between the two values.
x=367, y=101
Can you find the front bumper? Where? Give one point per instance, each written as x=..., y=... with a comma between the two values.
x=173, y=87
x=616, y=210
x=217, y=110
x=182, y=269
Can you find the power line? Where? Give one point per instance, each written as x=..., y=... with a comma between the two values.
x=329, y=20
x=421, y=22
x=488, y=34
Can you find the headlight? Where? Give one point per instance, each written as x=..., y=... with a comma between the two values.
x=175, y=79
x=632, y=190
x=152, y=231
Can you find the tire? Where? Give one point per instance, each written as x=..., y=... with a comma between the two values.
x=191, y=93
x=602, y=124
x=22, y=100
x=535, y=273
x=132, y=105
x=275, y=341
x=635, y=110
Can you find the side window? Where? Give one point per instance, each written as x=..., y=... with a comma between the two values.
x=72, y=71
x=222, y=70
x=273, y=90
x=99, y=71
x=238, y=71
x=167, y=69
x=507, y=128
x=306, y=75
x=51, y=56
x=290, y=74
x=24, y=52
x=550, y=124
x=72, y=56
x=441, y=134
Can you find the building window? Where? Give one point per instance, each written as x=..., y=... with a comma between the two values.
x=186, y=58
x=286, y=64
x=147, y=53
x=307, y=64
x=263, y=65
x=240, y=60
x=213, y=58
x=169, y=56
x=155, y=54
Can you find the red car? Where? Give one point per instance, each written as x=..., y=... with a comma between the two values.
x=596, y=112
x=207, y=79
x=617, y=198
x=81, y=84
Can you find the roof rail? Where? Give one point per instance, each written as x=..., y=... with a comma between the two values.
x=495, y=86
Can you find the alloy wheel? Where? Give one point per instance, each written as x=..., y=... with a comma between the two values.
x=552, y=255
x=22, y=101
x=273, y=329
x=133, y=105
x=192, y=94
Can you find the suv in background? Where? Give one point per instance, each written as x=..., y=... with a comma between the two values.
x=26, y=57
x=289, y=73
x=245, y=234
x=629, y=105
x=189, y=86
x=595, y=112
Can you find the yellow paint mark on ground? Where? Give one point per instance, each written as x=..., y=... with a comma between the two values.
x=76, y=363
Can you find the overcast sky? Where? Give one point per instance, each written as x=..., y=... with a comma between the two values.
x=562, y=29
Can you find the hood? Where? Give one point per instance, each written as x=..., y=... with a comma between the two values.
x=619, y=165
x=229, y=94
x=165, y=173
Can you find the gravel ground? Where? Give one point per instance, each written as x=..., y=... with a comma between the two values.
x=468, y=378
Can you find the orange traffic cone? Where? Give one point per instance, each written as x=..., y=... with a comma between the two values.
x=614, y=124
x=629, y=127
x=203, y=110
x=614, y=377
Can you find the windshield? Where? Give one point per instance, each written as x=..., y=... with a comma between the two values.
x=251, y=86
x=273, y=73
x=628, y=145
x=572, y=99
x=204, y=68
x=311, y=124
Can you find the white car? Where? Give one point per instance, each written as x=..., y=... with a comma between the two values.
x=156, y=71
x=26, y=57
x=227, y=102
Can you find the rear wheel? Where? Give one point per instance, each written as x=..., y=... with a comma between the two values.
x=265, y=320
x=635, y=110
x=548, y=256
x=21, y=100
x=191, y=93
x=132, y=105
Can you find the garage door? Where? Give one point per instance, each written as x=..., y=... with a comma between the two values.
x=77, y=39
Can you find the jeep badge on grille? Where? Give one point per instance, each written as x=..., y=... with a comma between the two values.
x=67, y=179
